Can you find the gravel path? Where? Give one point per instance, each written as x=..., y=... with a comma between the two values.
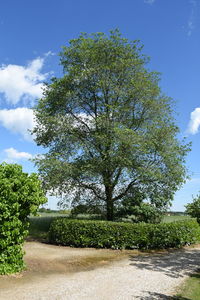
x=62, y=273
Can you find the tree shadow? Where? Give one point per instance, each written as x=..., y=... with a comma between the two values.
x=196, y=275
x=159, y=296
x=177, y=263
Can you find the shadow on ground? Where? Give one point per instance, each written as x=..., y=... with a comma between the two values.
x=158, y=296
x=173, y=264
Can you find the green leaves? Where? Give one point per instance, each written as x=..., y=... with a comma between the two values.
x=20, y=196
x=102, y=234
x=107, y=124
x=193, y=209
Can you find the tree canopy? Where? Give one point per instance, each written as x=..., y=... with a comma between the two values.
x=109, y=131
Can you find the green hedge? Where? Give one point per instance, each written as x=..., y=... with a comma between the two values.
x=103, y=234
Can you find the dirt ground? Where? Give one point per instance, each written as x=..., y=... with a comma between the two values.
x=62, y=273
x=44, y=261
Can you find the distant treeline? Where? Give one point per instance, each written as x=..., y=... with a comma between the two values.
x=175, y=213
x=48, y=210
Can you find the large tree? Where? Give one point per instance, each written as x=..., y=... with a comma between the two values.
x=108, y=129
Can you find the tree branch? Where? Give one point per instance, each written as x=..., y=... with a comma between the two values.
x=89, y=187
x=125, y=192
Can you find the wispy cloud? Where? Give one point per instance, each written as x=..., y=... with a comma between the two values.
x=149, y=1
x=193, y=180
x=192, y=17
x=13, y=155
x=21, y=120
x=18, y=121
x=194, y=123
x=23, y=82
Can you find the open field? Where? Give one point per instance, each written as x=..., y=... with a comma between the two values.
x=39, y=227
x=167, y=219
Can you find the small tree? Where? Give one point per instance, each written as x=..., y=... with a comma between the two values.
x=20, y=196
x=193, y=209
x=140, y=211
x=108, y=128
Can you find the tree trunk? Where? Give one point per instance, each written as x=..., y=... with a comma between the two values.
x=109, y=198
x=109, y=203
x=110, y=207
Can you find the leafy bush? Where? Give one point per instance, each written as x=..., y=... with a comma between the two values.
x=139, y=211
x=193, y=209
x=20, y=195
x=103, y=234
x=146, y=213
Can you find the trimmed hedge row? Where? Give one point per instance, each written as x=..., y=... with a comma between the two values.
x=103, y=234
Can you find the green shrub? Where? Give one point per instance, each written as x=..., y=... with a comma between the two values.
x=103, y=234
x=138, y=211
x=193, y=209
x=20, y=195
x=147, y=213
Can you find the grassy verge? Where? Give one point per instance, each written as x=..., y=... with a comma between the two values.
x=191, y=288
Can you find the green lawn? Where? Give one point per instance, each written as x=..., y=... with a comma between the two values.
x=191, y=288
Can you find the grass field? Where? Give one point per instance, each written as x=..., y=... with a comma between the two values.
x=39, y=226
x=168, y=219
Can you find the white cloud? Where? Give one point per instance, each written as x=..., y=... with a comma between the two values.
x=194, y=123
x=192, y=17
x=18, y=120
x=22, y=82
x=149, y=1
x=13, y=155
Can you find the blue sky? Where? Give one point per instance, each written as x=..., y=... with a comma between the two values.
x=32, y=33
